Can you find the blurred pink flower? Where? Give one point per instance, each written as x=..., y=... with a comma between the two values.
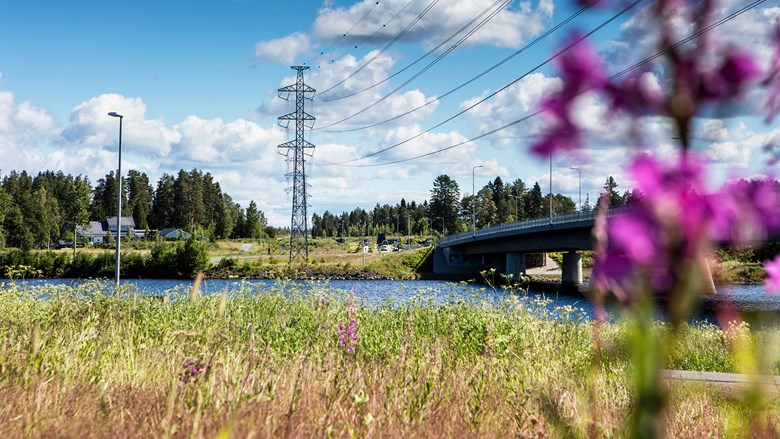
x=772, y=282
x=581, y=70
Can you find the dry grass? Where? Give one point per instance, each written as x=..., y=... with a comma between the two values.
x=78, y=363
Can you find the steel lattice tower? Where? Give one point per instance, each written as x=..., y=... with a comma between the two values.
x=295, y=151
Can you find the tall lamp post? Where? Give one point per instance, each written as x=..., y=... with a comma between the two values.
x=474, y=202
x=118, y=198
x=408, y=232
x=579, y=173
x=517, y=201
x=550, y=188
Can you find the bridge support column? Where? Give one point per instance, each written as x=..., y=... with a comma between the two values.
x=515, y=265
x=572, y=268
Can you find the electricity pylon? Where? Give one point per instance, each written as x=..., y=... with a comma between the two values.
x=295, y=151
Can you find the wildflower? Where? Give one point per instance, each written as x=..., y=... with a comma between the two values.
x=739, y=69
x=348, y=336
x=192, y=370
x=581, y=70
x=772, y=282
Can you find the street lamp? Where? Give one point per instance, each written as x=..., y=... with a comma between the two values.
x=474, y=201
x=118, y=197
x=408, y=232
x=517, y=201
x=579, y=173
x=551, y=188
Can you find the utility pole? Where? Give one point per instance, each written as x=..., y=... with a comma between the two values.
x=295, y=152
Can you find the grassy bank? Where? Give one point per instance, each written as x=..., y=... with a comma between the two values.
x=168, y=260
x=80, y=363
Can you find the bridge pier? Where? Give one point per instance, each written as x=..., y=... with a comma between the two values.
x=572, y=268
x=515, y=265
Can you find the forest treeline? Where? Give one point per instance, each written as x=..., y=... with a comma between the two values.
x=36, y=211
x=448, y=212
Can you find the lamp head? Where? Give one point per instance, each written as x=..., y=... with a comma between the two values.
x=115, y=114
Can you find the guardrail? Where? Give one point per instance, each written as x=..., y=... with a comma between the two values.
x=522, y=225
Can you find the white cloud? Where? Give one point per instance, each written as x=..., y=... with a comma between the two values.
x=283, y=50
x=25, y=133
x=216, y=143
x=91, y=127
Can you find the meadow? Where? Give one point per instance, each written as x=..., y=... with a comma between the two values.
x=91, y=362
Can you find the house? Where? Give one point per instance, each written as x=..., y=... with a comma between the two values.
x=171, y=233
x=97, y=231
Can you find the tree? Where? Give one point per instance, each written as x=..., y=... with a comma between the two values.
x=614, y=196
x=562, y=204
x=500, y=196
x=532, y=201
x=44, y=216
x=517, y=191
x=104, y=199
x=443, y=205
x=139, y=198
x=164, y=203
x=486, y=210
x=254, y=222
x=76, y=207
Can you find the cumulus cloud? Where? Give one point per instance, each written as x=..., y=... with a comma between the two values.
x=91, y=127
x=285, y=50
x=216, y=143
x=26, y=133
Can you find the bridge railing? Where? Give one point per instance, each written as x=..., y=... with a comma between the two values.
x=522, y=225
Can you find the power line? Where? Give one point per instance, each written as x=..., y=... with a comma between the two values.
x=491, y=95
x=536, y=113
x=438, y=98
x=463, y=28
x=373, y=34
x=386, y=47
x=485, y=72
x=344, y=35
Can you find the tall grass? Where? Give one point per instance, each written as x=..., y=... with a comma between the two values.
x=91, y=362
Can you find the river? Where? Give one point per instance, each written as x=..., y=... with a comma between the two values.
x=746, y=298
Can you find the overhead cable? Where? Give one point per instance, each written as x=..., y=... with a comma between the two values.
x=538, y=112
x=463, y=28
x=485, y=72
x=385, y=48
x=344, y=35
x=379, y=29
x=491, y=95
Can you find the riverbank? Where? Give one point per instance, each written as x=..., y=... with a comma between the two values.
x=90, y=364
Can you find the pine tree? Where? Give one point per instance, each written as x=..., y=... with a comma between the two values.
x=533, y=202
x=444, y=202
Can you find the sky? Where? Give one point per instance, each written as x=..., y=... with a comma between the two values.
x=198, y=85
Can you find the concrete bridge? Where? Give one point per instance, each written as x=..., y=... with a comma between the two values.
x=504, y=247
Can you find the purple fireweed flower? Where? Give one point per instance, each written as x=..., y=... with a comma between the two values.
x=192, y=369
x=772, y=282
x=739, y=69
x=668, y=220
x=348, y=336
x=634, y=96
x=581, y=70
x=743, y=212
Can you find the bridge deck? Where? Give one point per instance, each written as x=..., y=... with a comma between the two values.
x=559, y=222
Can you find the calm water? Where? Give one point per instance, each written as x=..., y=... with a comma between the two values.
x=747, y=298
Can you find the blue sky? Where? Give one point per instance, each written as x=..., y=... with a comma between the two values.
x=197, y=83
